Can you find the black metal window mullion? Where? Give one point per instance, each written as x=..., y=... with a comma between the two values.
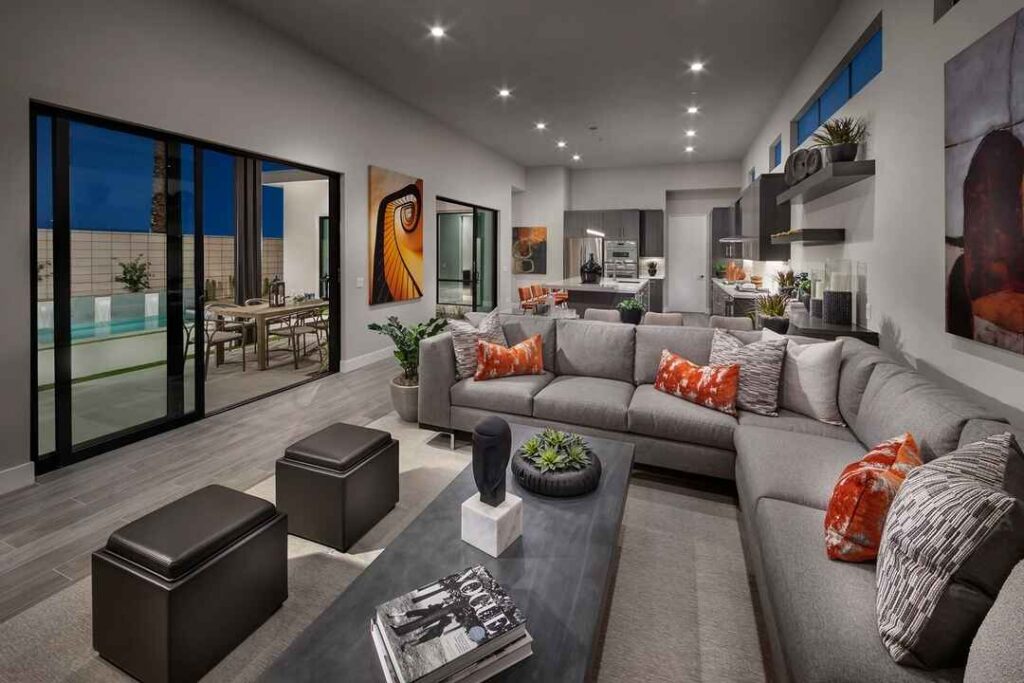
x=199, y=279
x=63, y=439
x=175, y=282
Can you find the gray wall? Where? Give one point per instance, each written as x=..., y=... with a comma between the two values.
x=201, y=69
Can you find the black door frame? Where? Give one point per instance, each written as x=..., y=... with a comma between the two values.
x=494, y=256
x=65, y=453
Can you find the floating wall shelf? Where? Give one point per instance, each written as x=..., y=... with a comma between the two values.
x=830, y=178
x=811, y=237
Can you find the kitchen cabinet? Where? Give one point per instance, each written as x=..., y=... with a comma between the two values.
x=576, y=223
x=612, y=225
x=652, y=233
x=656, y=292
x=760, y=217
x=722, y=223
x=630, y=224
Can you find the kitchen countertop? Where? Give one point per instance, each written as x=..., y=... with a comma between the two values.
x=604, y=285
x=733, y=292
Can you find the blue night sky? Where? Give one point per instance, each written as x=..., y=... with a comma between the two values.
x=112, y=184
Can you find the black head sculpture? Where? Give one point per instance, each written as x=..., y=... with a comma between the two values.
x=492, y=448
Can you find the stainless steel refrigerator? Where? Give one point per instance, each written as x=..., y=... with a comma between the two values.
x=576, y=252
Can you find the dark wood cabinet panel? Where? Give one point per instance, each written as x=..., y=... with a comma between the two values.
x=652, y=233
x=656, y=294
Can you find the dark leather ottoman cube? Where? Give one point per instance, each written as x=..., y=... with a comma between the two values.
x=334, y=485
x=176, y=590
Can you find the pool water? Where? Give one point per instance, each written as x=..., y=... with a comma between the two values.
x=92, y=330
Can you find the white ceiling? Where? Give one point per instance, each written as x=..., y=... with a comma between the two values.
x=618, y=65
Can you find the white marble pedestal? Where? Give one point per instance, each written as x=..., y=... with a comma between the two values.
x=492, y=529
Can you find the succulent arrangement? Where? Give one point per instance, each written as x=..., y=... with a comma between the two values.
x=555, y=451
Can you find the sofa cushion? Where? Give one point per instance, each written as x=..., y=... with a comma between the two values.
x=859, y=361
x=997, y=653
x=799, y=468
x=954, y=533
x=595, y=349
x=898, y=400
x=655, y=413
x=711, y=386
x=519, y=328
x=760, y=369
x=976, y=430
x=590, y=401
x=824, y=611
x=692, y=343
x=506, y=395
x=789, y=421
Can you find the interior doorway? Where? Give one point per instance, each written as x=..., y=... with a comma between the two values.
x=467, y=256
x=687, y=274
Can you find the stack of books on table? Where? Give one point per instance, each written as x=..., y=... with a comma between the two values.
x=463, y=628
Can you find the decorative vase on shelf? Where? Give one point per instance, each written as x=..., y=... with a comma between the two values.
x=652, y=268
x=844, y=152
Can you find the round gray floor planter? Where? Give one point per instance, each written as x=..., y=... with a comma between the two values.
x=405, y=400
x=556, y=484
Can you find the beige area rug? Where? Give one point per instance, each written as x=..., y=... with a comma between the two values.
x=681, y=608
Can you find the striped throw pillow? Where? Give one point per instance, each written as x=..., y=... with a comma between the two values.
x=760, y=370
x=465, y=337
x=954, y=533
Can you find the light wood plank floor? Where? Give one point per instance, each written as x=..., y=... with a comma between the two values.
x=48, y=531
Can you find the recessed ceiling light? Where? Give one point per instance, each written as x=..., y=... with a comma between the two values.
x=689, y=149
x=504, y=92
x=576, y=157
x=540, y=125
x=697, y=67
x=561, y=144
x=691, y=110
x=690, y=133
x=437, y=31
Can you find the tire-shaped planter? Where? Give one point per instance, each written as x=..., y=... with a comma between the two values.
x=556, y=484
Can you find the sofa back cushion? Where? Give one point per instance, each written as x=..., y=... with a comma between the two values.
x=859, y=361
x=897, y=399
x=996, y=654
x=594, y=349
x=976, y=430
x=692, y=343
x=519, y=328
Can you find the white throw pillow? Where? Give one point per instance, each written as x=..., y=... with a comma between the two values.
x=465, y=336
x=810, y=378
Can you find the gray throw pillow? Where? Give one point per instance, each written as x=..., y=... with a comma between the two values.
x=760, y=370
x=810, y=378
x=954, y=533
x=465, y=336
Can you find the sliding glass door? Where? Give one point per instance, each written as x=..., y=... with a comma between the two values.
x=467, y=256
x=171, y=279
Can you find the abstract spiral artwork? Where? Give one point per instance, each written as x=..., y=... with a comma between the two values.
x=396, y=236
x=984, y=202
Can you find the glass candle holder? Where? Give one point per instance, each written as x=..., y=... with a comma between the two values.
x=817, y=291
x=837, y=301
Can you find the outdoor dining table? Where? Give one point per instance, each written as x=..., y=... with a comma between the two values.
x=262, y=315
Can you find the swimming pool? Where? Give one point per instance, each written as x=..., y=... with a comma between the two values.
x=81, y=332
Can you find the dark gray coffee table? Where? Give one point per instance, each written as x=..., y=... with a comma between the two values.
x=559, y=573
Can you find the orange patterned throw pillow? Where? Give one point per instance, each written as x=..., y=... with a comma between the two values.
x=711, y=386
x=494, y=360
x=862, y=496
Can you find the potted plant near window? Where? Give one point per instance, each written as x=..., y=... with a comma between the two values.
x=405, y=387
x=841, y=137
x=134, y=274
x=771, y=309
x=631, y=311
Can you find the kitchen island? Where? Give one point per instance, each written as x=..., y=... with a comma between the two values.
x=605, y=293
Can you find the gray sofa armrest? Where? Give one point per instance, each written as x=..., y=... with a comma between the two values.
x=437, y=375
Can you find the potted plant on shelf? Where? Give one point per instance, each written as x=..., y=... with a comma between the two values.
x=405, y=387
x=631, y=311
x=555, y=463
x=786, y=280
x=841, y=137
x=803, y=290
x=771, y=309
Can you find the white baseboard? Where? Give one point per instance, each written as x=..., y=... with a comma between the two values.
x=350, y=364
x=17, y=477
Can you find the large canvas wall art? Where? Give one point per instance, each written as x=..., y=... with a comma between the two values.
x=530, y=250
x=396, y=236
x=984, y=175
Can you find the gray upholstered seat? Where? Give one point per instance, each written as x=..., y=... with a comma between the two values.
x=789, y=421
x=668, y=319
x=799, y=468
x=505, y=395
x=608, y=315
x=590, y=401
x=655, y=413
x=723, y=322
x=824, y=610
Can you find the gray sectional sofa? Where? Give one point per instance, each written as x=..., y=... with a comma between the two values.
x=819, y=614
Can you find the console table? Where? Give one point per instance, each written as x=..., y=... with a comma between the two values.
x=559, y=573
x=802, y=324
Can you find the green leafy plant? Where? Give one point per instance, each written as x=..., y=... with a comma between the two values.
x=803, y=283
x=555, y=451
x=772, y=305
x=630, y=305
x=407, y=343
x=134, y=274
x=785, y=278
x=842, y=130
